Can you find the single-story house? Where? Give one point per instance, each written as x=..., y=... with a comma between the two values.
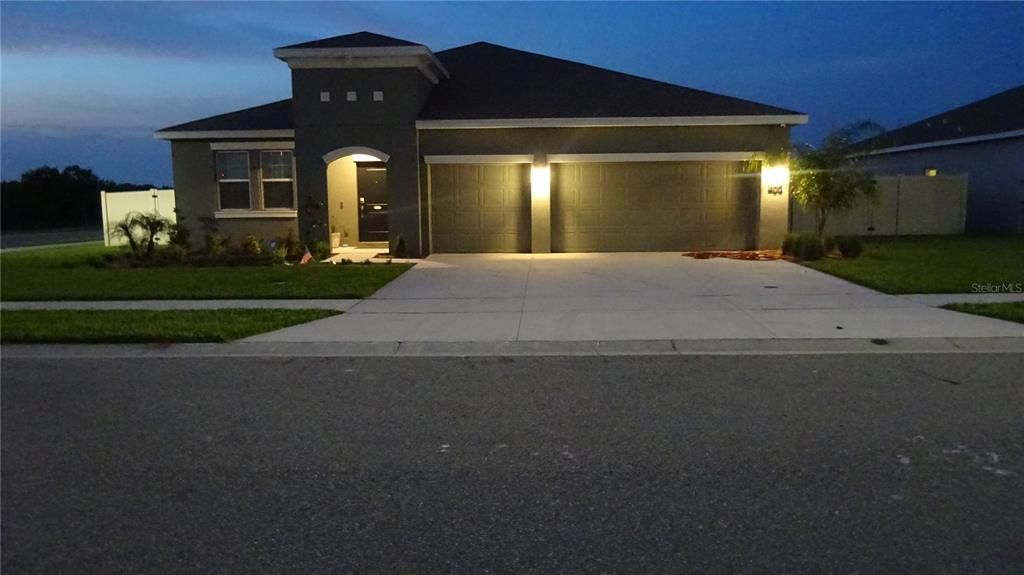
x=984, y=139
x=484, y=148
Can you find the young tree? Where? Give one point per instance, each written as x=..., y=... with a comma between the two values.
x=828, y=179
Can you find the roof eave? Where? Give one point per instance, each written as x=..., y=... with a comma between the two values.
x=638, y=121
x=222, y=134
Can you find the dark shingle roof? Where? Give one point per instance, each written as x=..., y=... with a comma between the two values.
x=357, y=40
x=1003, y=112
x=273, y=116
x=494, y=82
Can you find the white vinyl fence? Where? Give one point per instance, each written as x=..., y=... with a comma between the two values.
x=907, y=205
x=117, y=205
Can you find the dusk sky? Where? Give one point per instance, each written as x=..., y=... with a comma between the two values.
x=89, y=83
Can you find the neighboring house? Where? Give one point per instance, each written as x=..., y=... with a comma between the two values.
x=483, y=148
x=984, y=140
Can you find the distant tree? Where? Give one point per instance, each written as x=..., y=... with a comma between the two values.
x=827, y=180
x=47, y=197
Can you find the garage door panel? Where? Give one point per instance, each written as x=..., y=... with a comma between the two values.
x=480, y=208
x=652, y=206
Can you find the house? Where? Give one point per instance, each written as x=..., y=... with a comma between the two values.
x=984, y=140
x=484, y=148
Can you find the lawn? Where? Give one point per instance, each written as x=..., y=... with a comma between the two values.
x=1010, y=311
x=932, y=264
x=146, y=326
x=63, y=273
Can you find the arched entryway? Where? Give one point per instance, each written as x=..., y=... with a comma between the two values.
x=357, y=197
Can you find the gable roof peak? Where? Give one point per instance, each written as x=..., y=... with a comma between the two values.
x=361, y=39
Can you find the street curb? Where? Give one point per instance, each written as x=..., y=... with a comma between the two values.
x=525, y=348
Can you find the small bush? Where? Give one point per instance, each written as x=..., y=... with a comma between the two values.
x=252, y=246
x=808, y=247
x=280, y=254
x=829, y=243
x=850, y=246
x=788, y=242
x=216, y=245
x=319, y=250
x=290, y=242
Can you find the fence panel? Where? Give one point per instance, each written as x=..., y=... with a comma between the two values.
x=907, y=205
x=117, y=205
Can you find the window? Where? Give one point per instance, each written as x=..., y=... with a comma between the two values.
x=278, y=179
x=350, y=96
x=378, y=96
x=325, y=96
x=233, y=180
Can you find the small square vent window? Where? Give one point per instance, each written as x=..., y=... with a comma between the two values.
x=350, y=96
x=378, y=96
x=325, y=96
x=931, y=171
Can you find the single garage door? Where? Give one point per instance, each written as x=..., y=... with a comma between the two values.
x=653, y=206
x=480, y=207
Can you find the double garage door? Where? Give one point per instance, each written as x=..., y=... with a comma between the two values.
x=597, y=207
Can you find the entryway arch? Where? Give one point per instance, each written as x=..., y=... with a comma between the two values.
x=357, y=197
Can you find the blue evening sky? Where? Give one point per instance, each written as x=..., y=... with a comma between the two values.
x=88, y=83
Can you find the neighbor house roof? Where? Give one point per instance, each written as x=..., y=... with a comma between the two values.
x=357, y=40
x=494, y=82
x=998, y=116
x=494, y=85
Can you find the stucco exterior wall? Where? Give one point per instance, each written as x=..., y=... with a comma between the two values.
x=387, y=126
x=195, y=192
x=995, y=178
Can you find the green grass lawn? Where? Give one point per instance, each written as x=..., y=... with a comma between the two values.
x=146, y=326
x=932, y=264
x=1010, y=311
x=63, y=273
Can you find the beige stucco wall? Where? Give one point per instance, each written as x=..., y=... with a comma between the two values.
x=343, y=200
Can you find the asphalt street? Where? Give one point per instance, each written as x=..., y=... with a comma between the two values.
x=724, y=464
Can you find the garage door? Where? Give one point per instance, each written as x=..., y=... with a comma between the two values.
x=480, y=207
x=653, y=206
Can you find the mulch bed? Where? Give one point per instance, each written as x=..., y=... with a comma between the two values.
x=757, y=255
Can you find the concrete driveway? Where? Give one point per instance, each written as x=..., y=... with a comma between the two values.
x=629, y=296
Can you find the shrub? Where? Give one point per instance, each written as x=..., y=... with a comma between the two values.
x=252, y=246
x=290, y=242
x=320, y=250
x=808, y=247
x=788, y=242
x=829, y=243
x=399, y=249
x=141, y=231
x=850, y=246
x=216, y=245
x=280, y=254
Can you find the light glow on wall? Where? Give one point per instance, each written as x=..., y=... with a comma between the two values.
x=775, y=177
x=365, y=158
x=540, y=181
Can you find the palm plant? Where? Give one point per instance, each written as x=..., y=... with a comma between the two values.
x=828, y=179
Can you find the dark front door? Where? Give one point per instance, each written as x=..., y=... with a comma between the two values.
x=372, y=186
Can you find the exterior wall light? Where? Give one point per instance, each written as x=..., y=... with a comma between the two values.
x=775, y=179
x=540, y=181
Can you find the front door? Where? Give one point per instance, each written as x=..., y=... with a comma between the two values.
x=372, y=186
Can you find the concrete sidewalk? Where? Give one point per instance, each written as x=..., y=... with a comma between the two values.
x=170, y=304
x=626, y=297
x=525, y=348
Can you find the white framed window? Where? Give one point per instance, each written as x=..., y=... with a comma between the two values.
x=378, y=96
x=351, y=96
x=233, y=180
x=277, y=175
x=325, y=96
